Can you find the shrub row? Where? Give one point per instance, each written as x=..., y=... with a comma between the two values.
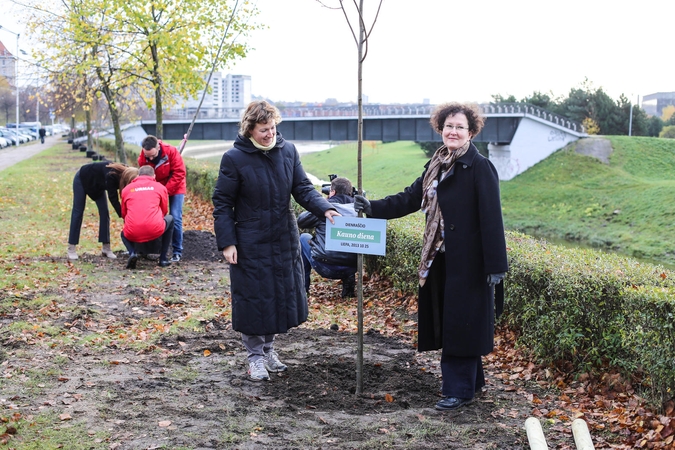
x=578, y=309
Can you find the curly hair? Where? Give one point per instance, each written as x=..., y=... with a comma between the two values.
x=258, y=112
x=470, y=110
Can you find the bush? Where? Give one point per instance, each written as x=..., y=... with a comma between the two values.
x=668, y=132
x=429, y=147
x=649, y=335
x=404, y=247
x=580, y=310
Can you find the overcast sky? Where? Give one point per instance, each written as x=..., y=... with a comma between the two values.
x=442, y=50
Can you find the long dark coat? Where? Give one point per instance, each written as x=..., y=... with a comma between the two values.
x=475, y=246
x=252, y=210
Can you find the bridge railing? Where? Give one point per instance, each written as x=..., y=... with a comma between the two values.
x=489, y=109
x=510, y=109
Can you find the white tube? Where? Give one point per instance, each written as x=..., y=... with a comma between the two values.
x=582, y=437
x=535, y=435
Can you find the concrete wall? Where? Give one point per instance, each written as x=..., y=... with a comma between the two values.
x=535, y=139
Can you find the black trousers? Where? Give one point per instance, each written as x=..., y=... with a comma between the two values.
x=77, y=214
x=462, y=375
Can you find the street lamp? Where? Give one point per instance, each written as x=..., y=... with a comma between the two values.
x=16, y=81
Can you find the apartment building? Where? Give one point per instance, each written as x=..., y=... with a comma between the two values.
x=228, y=97
x=7, y=64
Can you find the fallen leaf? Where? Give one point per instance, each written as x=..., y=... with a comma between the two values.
x=65, y=416
x=388, y=398
x=164, y=423
x=207, y=352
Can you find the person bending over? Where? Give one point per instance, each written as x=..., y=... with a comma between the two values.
x=94, y=180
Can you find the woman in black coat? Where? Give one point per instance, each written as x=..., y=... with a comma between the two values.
x=94, y=180
x=257, y=232
x=463, y=254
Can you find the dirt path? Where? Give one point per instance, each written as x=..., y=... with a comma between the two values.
x=189, y=389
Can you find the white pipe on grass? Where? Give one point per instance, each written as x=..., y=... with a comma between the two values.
x=582, y=437
x=535, y=435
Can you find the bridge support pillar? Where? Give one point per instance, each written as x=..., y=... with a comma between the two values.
x=500, y=157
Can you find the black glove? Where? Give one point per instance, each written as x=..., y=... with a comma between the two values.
x=494, y=279
x=362, y=204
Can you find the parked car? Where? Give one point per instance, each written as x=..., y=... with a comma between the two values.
x=17, y=136
x=9, y=136
x=5, y=142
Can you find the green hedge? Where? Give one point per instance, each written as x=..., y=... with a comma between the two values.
x=581, y=310
x=578, y=309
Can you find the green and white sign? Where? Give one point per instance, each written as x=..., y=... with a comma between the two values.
x=357, y=235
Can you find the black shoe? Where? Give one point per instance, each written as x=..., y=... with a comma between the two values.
x=164, y=263
x=348, y=285
x=133, y=259
x=175, y=258
x=452, y=403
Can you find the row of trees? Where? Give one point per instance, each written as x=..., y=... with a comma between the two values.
x=153, y=51
x=596, y=110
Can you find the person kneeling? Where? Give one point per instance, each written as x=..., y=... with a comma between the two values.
x=145, y=207
x=329, y=264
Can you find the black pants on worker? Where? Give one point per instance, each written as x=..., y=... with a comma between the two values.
x=146, y=247
x=77, y=213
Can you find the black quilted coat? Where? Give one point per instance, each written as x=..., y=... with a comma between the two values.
x=252, y=210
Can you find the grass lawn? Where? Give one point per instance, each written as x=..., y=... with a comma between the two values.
x=625, y=206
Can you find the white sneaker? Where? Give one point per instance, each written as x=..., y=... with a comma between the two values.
x=272, y=363
x=257, y=371
x=72, y=254
x=107, y=252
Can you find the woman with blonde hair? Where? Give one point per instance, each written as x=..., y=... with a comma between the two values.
x=94, y=180
x=257, y=232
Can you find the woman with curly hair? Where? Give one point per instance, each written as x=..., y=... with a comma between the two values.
x=463, y=255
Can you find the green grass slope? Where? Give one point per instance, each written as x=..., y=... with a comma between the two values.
x=626, y=206
x=387, y=168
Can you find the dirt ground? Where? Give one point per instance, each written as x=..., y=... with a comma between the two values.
x=190, y=390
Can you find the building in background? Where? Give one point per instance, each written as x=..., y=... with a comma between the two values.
x=7, y=64
x=228, y=97
x=653, y=104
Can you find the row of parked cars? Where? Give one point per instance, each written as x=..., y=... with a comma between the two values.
x=13, y=136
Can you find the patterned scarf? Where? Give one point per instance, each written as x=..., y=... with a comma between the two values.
x=434, y=232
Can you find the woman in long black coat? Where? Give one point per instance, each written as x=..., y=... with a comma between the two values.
x=257, y=232
x=464, y=251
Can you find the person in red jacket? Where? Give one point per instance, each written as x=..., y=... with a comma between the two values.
x=145, y=204
x=169, y=171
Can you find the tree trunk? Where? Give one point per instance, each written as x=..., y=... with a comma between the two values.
x=115, y=118
x=157, y=83
x=87, y=118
